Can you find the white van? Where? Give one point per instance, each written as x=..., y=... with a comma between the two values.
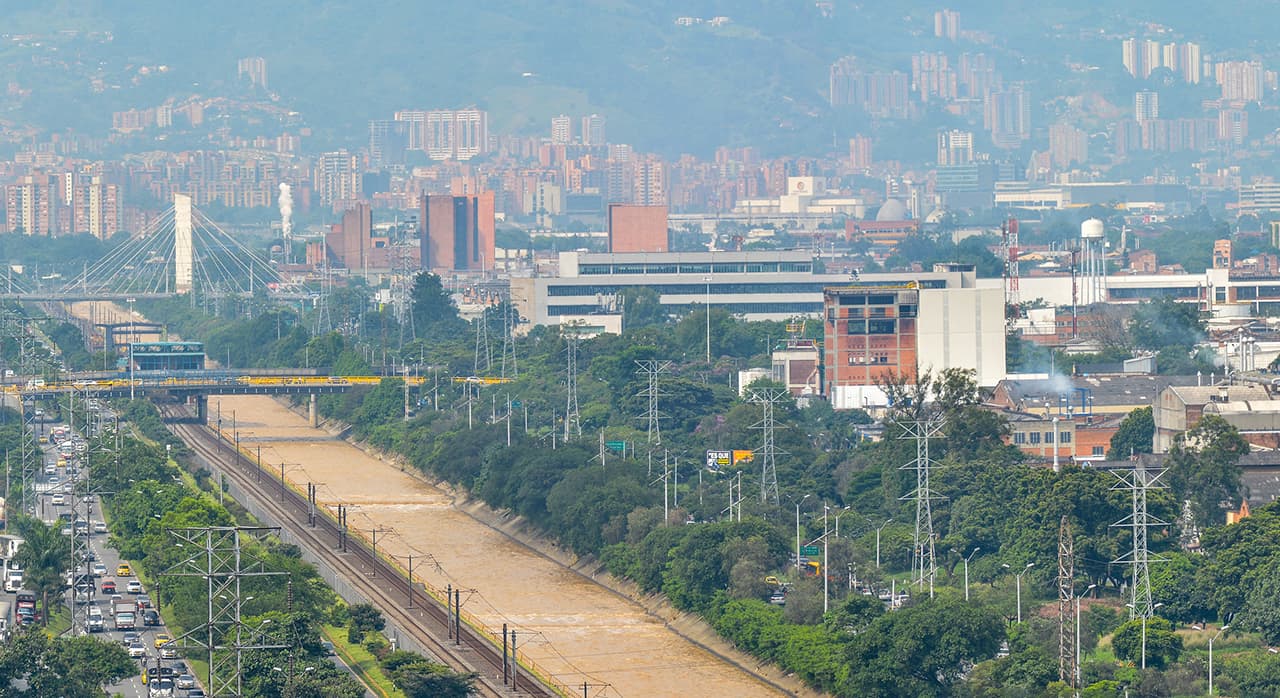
x=13, y=582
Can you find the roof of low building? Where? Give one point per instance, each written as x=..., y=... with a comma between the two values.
x=1106, y=390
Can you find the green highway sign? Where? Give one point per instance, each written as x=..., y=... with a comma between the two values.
x=615, y=445
x=810, y=550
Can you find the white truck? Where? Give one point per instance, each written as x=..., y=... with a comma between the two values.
x=125, y=614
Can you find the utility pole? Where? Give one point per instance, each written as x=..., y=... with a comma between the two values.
x=1138, y=482
x=572, y=421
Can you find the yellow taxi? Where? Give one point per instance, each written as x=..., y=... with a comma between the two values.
x=124, y=570
x=162, y=638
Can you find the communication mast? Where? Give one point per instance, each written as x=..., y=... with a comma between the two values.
x=923, y=559
x=1066, y=597
x=1009, y=238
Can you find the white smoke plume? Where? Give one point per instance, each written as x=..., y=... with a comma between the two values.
x=286, y=211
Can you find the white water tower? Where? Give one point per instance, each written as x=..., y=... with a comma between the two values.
x=1093, y=262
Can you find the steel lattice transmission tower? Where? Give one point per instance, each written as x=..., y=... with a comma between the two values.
x=510, y=318
x=214, y=554
x=924, y=564
x=484, y=354
x=572, y=420
x=768, y=451
x=1066, y=597
x=1138, y=481
x=652, y=371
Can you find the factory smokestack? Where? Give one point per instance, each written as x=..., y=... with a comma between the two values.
x=286, y=218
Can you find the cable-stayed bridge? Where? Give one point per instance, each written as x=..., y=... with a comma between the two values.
x=182, y=251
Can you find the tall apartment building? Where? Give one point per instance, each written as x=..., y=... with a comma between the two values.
x=650, y=182
x=860, y=155
x=336, y=178
x=593, y=130
x=561, y=130
x=254, y=69
x=880, y=94
x=95, y=207
x=1241, y=81
x=1146, y=106
x=456, y=233
x=1007, y=115
x=955, y=147
x=388, y=141
x=932, y=76
x=1068, y=145
x=31, y=204
x=946, y=24
x=447, y=134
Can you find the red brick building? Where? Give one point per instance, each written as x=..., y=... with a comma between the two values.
x=637, y=228
x=457, y=232
x=870, y=335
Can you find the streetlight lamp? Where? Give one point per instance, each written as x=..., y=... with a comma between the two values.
x=966, y=571
x=707, y=279
x=878, y=529
x=1083, y=594
x=132, y=340
x=842, y=512
x=1145, y=619
x=1221, y=630
x=798, y=530
x=1018, y=580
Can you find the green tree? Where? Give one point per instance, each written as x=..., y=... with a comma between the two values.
x=920, y=650
x=1253, y=674
x=1135, y=435
x=45, y=557
x=1164, y=322
x=1261, y=611
x=1203, y=467
x=1163, y=644
x=434, y=314
x=76, y=667
x=641, y=308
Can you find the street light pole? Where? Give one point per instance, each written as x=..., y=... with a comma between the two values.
x=1077, y=674
x=1221, y=630
x=966, y=572
x=878, y=529
x=825, y=577
x=1056, y=467
x=798, y=531
x=1145, y=621
x=1018, y=581
x=708, y=309
x=132, y=340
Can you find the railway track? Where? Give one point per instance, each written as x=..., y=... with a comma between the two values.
x=427, y=622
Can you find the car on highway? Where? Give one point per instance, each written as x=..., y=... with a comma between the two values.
x=169, y=652
x=185, y=682
x=162, y=638
x=150, y=617
x=54, y=479
x=58, y=499
x=129, y=638
x=99, y=527
x=108, y=586
x=196, y=693
x=163, y=688
x=133, y=587
x=124, y=570
x=99, y=569
x=144, y=602
x=137, y=650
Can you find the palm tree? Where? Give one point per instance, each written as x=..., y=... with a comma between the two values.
x=45, y=557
